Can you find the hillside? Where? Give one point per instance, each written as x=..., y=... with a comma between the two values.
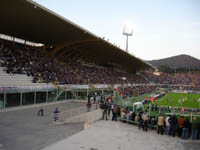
x=180, y=61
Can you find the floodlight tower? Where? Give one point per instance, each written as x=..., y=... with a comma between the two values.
x=128, y=31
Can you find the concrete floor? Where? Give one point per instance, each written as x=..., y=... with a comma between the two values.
x=23, y=130
x=108, y=135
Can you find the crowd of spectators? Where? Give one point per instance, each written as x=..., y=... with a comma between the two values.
x=95, y=74
x=171, y=125
x=137, y=91
x=189, y=89
x=22, y=59
x=190, y=78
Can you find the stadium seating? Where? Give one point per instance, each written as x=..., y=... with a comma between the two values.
x=39, y=67
x=22, y=59
x=192, y=78
x=16, y=79
x=137, y=91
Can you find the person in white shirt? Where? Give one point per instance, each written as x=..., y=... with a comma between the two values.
x=145, y=121
x=167, y=125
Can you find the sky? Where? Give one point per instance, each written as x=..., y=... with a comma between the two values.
x=162, y=28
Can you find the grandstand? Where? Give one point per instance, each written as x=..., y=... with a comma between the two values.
x=40, y=51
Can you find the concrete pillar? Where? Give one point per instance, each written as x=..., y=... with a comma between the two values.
x=74, y=93
x=46, y=96
x=21, y=98
x=65, y=95
x=35, y=97
x=56, y=99
x=87, y=93
x=4, y=103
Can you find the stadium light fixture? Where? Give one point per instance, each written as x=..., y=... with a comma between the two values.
x=128, y=31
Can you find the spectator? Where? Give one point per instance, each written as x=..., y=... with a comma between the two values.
x=186, y=127
x=88, y=105
x=194, y=128
x=173, y=125
x=105, y=111
x=145, y=121
x=180, y=125
x=140, y=120
x=56, y=113
x=167, y=125
x=115, y=109
x=160, y=124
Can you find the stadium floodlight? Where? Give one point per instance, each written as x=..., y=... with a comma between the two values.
x=128, y=31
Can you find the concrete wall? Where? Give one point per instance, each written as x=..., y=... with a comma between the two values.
x=88, y=117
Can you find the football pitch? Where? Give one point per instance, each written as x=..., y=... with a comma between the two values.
x=180, y=99
x=170, y=99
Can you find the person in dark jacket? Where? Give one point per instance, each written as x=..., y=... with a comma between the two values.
x=194, y=128
x=115, y=109
x=105, y=111
x=173, y=125
x=56, y=113
x=185, y=128
x=140, y=121
x=109, y=108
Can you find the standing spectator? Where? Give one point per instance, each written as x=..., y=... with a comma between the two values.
x=160, y=124
x=115, y=109
x=42, y=111
x=145, y=121
x=97, y=104
x=105, y=111
x=167, y=125
x=128, y=114
x=88, y=105
x=173, y=125
x=89, y=98
x=123, y=113
x=194, y=128
x=38, y=113
x=56, y=112
x=95, y=99
x=186, y=127
x=133, y=116
x=109, y=108
x=140, y=124
x=180, y=125
x=137, y=118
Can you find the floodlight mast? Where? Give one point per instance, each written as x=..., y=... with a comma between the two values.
x=128, y=32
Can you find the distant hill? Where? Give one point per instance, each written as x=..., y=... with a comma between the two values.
x=180, y=61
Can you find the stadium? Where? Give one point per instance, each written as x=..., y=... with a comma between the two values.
x=48, y=62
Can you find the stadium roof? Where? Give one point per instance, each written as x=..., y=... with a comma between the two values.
x=28, y=20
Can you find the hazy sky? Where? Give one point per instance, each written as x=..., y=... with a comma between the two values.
x=163, y=28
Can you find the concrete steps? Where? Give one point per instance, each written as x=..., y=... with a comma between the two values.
x=7, y=80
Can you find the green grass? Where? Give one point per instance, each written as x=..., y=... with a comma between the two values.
x=172, y=99
x=129, y=101
x=140, y=98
